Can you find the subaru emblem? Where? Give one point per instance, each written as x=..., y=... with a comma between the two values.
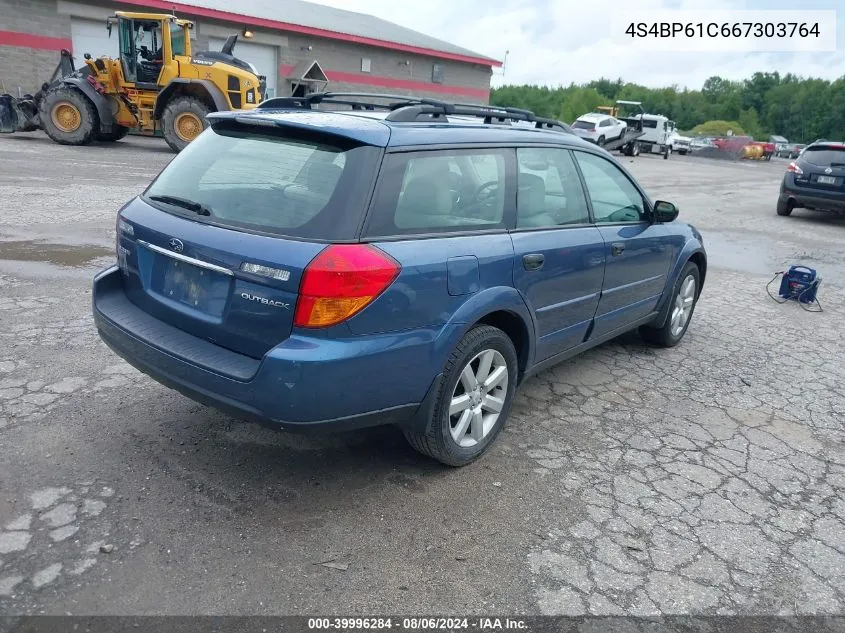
x=176, y=245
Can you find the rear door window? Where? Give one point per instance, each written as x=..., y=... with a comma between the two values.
x=440, y=191
x=280, y=182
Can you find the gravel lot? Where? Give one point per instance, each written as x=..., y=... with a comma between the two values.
x=705, y=479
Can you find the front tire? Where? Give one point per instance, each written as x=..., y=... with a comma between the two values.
x=184, y=120
x=69, y=117
x=473, y=401
x=684, y=299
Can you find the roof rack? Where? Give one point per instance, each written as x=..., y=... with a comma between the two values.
x=409, y=109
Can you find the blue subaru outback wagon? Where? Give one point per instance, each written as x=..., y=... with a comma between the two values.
x=386, y=260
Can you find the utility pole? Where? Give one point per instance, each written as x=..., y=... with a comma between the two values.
x=505, y=62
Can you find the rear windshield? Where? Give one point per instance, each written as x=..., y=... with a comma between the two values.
x=283, y=182
x=825, y=155
x=584, y=125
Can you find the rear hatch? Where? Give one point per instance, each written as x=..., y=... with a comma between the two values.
x=217, y=245
x=823, y=165
x=584, y=127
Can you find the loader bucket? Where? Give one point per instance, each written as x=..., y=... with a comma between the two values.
x=8, y=115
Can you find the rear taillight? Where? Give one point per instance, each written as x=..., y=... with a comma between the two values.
x=795, y=169
x=340, y=282
x=121, y=228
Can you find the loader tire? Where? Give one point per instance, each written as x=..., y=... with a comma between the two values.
x=184, y=119
x=69, y=117
x=110, y=137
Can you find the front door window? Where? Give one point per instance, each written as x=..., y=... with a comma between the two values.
x=612, y=194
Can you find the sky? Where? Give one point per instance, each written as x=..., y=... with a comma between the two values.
x=556, y=42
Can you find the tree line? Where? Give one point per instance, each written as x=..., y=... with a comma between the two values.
x=801, y=109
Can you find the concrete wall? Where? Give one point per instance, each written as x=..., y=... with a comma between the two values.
x=26, y=67
x=390, y=71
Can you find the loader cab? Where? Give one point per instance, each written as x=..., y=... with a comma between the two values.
x=148, y=45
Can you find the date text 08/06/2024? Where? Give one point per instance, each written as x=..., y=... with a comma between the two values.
x=418, y=624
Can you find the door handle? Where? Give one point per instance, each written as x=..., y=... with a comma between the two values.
x=534, y=261
x=617, y=249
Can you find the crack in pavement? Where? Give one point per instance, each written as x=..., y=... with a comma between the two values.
x=707, y=495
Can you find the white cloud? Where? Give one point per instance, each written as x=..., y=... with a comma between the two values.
x=555, y=42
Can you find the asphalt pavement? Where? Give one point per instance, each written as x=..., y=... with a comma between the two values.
x=706, y=479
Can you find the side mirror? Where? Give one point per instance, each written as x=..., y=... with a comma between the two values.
x=665, y=211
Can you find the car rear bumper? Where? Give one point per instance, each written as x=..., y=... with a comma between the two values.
x=819, y=203
x=592, y=138
x=302, y=384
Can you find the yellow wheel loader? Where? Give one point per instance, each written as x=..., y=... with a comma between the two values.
x=157, y=83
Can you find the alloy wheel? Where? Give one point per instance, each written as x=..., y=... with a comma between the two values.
x=684, y=303
x=478, y=398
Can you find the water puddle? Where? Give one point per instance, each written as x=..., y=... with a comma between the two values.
x=739, y=253
x=56, y=254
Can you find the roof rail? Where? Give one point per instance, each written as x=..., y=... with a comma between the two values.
x=410, y=109
x=489, y=114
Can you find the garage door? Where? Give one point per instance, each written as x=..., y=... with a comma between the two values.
x=90, y=36
x=262, y=56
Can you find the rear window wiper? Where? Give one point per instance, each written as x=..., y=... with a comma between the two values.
x=190, y=205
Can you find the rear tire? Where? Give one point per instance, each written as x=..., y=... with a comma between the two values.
x=684, y=299
x=69, y=117
x=465, y=420
x=785, y=207
x=600, y=142
x=184, y=120
x=110, y=137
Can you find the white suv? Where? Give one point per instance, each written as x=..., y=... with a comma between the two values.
x=599, y=128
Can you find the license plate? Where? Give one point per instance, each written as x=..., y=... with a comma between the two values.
x=185, y=283
x=827, y=180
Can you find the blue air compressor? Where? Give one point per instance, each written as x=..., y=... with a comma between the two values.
x=799, y=283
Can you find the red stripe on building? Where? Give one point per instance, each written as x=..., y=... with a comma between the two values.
x=404, y=84
x=179, y=7
x=28, y=40
x=363, y=79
